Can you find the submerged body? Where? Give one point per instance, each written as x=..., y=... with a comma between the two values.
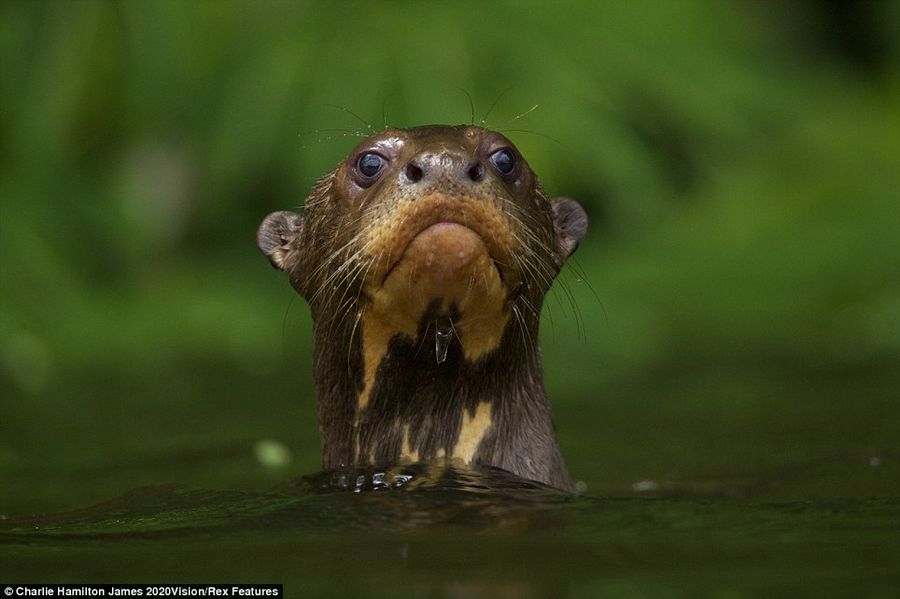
x=425, y=257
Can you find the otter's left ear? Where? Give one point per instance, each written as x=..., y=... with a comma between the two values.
x=276, y=236
x=571, y=223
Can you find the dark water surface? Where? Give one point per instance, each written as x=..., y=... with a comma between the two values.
x=439, y=530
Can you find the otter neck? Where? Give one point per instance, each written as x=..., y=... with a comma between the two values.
x=417, y=396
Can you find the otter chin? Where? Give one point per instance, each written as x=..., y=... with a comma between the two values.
x=444, y=256
x=446, y=268
x=446, y=260
x=438, y=234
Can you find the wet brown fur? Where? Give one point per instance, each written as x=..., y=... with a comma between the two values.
x=338, y=254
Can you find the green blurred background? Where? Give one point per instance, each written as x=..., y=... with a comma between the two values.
x=737, y=328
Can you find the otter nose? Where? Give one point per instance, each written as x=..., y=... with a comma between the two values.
x=429, y=167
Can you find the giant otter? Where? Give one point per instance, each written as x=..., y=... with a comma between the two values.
x=425, y=257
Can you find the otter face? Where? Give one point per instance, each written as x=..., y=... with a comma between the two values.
x=437, y=222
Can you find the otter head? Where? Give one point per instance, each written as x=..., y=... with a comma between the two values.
x=439, y=219
x=436, y=230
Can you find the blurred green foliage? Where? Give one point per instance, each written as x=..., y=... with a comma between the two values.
x=738, y=296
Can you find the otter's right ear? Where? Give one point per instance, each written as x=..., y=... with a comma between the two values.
x=276, y=237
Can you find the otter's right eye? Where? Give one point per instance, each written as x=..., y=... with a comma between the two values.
x=370, y=164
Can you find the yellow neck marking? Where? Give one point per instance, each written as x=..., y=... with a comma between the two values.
x=407, y=453
x=376, y=336
x=472, y=432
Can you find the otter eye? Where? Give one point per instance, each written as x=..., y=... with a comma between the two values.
x=504, y=161
x=370, y=164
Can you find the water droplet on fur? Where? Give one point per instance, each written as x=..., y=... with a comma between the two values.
x=443, y=332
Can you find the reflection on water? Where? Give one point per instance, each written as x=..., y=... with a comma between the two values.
x=440, y=529
x=435, y=494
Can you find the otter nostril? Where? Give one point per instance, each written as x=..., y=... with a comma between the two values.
x=414, y=172
x=476, y=172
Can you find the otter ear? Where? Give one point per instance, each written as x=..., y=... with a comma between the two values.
x=276, y=236
x=571, y=223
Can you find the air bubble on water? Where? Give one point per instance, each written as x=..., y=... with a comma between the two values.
x=442, y=334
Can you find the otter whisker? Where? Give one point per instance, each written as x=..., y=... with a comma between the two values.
x=517, y=117
x=327, y=262
x=354, y=115
x=339, y=272
x=350, y=343
x=544, y=135
x=346, y=301
x=523, y=330
x=494, y=105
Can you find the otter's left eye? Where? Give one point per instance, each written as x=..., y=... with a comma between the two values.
x=504, y=161
x=370, y=164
